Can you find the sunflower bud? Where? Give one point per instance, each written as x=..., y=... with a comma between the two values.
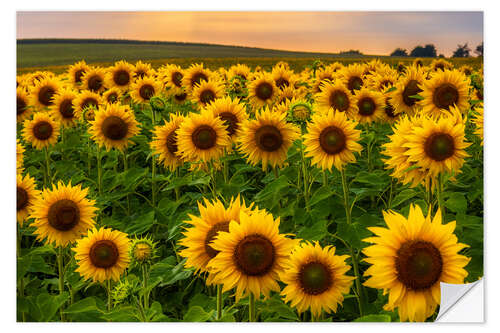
x=142, y=251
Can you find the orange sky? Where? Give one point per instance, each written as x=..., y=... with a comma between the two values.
x=370, y=32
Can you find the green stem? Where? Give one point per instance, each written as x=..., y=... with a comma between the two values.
x=219, y=301
x=108, y=290
x=60, y=266
x=21, y=280
x=47, y=166
x=226, y=170
x=99, y=171
x=304, y=173
x=153, y=167
x=125, y=168
x=176, y=189
x=325, y=178
x=251, y=308
x=346, y=196
x=145, y=284
x=439, y=191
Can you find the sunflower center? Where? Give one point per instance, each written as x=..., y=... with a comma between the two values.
x=339, y=100
x=45, y=95
x=439, y=146
x=20, y=106
x=354, y=83
x=315, y=278
x=22, y=198
x=42, y=130
x=366, y=106
x=197, y=78
x=207, y=96
x=104, y=254
x=204, y=137
x=445, y=95
x=254, y=255
x=419, y=264
x=181, y=97
x=114, y=128
x=78, y=75
x=95, y=83
x=439, y=66
x=411, y=89
x=113, y=97
x=63, y=215
x=332, y=139
x=264, y=91
x=89, y=101
x=389, y=110
x=140, y=73
x=121, y=77
x=268, y=138
x=177, y=79
x=211, y=234
x=480, y=94
x=282, y=83
x=230, y=120
x=146, y=91
x=66, y=108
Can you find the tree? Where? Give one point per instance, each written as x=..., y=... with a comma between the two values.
x=428, y=50
x=479, y=50
x=399, y=52
x=462, y=51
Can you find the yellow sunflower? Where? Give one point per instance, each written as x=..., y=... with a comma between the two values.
x=438, y=145
x=203, y=229
x=23, y=108
x=194, y=75
x=142, y=70
x=41, y=131
x=478, y=121
x=94, y=79
x=42, y=93
x=112, y=95
x=63, y=214
x=335, y=96
x=27, y=194
x=86, y=103
x=407, y=86
x=467, y=70
x=389, y=115
x=353, y=76
x=241, y=70
x=323, y=76
x=418, y=62
x=230, y=111
x=251, y=256
x=441, y=65
x=76, y=73
x=410, y=258
x=164, y=142
x=144, y=88
x=63, y=110
x=369, y=105
x=19, y=156
x=267, y=138
x=382, y=81
x=172, y=79
x=262, y=91
x=316, y=279
x=445, y=89
x=113, y=126
x=332, y=140
x=119, y=75
x=283, y=77
x=202, y=137
x=102, y=255
x=206, y=92
x=180, y=98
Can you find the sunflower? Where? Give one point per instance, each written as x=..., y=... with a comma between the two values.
x=63, y=214
x=441, y=65
x=369, y=105
x=194, y=75
x=143, y=251
x=389, y=116
x=164, y=142
x=406, y=87
x=142, y=70
x=94, y=80
x=86, y=103
x=23, y=109
x=63, y=110
x=353, y=76
x=26, y=196
x=19, y=156
x=382, y=81
x=180, y=98
x=102, y=255
x=283, y=77
x=76, y=73
x=438, y=145
x=231, y=111
x=467, y=70
x=206, y=92
x=410, y=258
x=251, y=256
x=445, y=89
x=335, y=96
x=262, y=91
x=113, y=126
x=322, y=77
x=478, y=121
x=331, y=140
x=112, y=95
x=267, y=138
x=239, y=70
x=202, y=137
x=41, y=131
x=172, y=79
x=418, y=62
x=316, y=279
x=119, y=76
x=144, y=88
x=203, y=229
x=43, y=91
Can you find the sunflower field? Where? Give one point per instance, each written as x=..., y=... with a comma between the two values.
x=333, y=192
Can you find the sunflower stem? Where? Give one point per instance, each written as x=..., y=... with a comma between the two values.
x=304, y=173
x=47, y=166
x=153, y=167
x=346, y=196
x=439, y=191
x=325, y=178
x=60, y=266
x=108, y=289
x=251, y=308
x=145, y=286
x=176, y=189
x=99, y=171
x=125, y=168
x=21, y=280
x=219, y=301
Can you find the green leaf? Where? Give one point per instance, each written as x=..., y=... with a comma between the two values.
x=403, y=196
x=390, y=89
x=456, y=203
x=317, y=231
x=197, y=314
x=49, y=304
x=321, y=194
x=84, y=305
x=374, y=318
x=141, y=224
x=417, y=96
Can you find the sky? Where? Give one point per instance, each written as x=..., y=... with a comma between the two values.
x=375, y=33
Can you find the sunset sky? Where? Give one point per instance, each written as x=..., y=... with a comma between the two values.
x=377, y=33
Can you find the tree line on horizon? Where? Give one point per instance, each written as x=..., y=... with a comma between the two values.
x=429, y=50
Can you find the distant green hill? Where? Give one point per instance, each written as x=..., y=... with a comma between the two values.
x=53, y=52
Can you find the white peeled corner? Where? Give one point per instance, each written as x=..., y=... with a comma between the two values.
x=462, y=303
